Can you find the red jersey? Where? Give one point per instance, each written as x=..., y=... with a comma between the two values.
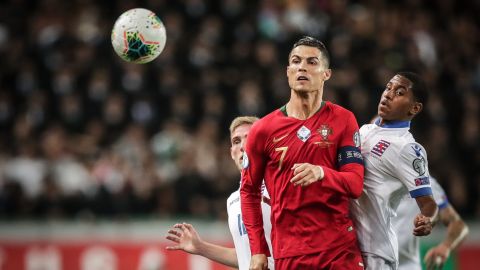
x=308, y=219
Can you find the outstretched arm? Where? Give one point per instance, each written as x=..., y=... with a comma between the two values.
x=456, y=232
x=187, y=239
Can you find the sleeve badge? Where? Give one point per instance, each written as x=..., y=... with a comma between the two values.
x=356, y=139
x=245, y=160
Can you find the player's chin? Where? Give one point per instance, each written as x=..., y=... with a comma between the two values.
x=383, y=113
x=303, y=90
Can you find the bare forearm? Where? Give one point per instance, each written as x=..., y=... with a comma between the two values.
x=457, y=230
x=429, y=210
x=424, y=222
x=220, y=254
x=428, y=207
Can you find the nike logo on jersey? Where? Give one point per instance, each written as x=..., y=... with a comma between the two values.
x=275, y=140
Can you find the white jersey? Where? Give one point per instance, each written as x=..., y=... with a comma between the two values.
x=239, y=232
x=408, y=244
x=394, y=165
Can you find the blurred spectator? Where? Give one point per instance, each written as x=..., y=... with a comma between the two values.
x=85, y=134
x=27, y=169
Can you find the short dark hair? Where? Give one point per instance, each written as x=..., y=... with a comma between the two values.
x=313, y=42
x=419, y=88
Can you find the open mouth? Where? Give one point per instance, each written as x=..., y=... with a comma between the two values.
x=302, y=78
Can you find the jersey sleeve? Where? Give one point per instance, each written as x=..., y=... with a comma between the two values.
x=348, y=180
x=254, y=163
x=439, y=194
x=411, y=168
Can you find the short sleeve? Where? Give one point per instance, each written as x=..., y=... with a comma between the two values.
x=412, y=170
x=439, y=194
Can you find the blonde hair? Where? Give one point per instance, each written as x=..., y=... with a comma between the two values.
x=242, y=120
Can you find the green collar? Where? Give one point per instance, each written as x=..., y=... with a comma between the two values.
x=283, y=109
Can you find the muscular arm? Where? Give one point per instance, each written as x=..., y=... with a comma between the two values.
x=456, y=232
x=187, y=239
x=428, y=216
x=457, y=229
x=427, y=206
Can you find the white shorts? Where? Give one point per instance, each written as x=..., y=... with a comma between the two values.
x=374, y=262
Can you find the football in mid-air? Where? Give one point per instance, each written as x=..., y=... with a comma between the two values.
x=138, y=36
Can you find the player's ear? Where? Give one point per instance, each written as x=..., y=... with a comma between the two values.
x=231, y=153
x=416, y=108
x=327, y=73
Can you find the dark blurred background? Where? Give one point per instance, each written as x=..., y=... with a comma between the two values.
x=85, y=135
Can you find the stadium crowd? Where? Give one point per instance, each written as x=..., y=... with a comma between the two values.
x=86, y=135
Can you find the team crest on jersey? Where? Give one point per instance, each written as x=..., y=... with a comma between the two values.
x=380, y=147
x=419, y=165
x=304, y=133
x=324, y=132
x=356, y=138
x=245, y=160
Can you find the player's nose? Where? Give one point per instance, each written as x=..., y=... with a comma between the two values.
x=388, y=94
x=242, y=146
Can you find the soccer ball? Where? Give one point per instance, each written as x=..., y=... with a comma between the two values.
x=138, y=36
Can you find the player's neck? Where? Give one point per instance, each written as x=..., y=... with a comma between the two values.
x=303, y=105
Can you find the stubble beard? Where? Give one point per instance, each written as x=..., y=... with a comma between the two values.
x=304, y=93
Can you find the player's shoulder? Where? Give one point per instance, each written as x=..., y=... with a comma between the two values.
x=274, y=115
x=233, y=198
x=402, y=140
x=337, y=109
x=411, y=150
x=264, y=124
x=367, y=128
x=409, y=145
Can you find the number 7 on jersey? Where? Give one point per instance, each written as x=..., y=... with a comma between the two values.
x=282, y=149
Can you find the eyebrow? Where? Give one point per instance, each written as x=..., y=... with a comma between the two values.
x=401, y=84
x=308, y=58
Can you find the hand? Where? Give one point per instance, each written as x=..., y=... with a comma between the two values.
x=436, y=257
x=305, y=174
x=423, y=225
x=186, y=238
x=259, y=262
